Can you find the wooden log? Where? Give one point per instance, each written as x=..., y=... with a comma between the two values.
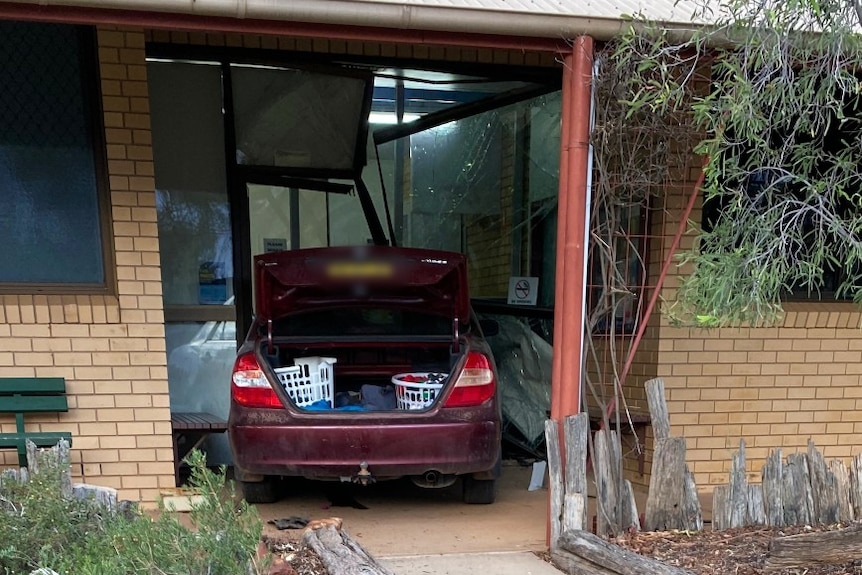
x=341, y=554
x=720, y=508
x=691, y=504
x=773, y=483
x=658, y=408
x=737, y=495
x=576, y=429
x=606, y=465
x=824, y=491
x=103, y=496
x=574, y=512
x=582, y=553
x=670, y=502
x=756, y=513
x=57, y=457
x=556, y=485
x=842, y=490
x=856, y=486
x=807, y=550
x=796, y=489
x=630, y=516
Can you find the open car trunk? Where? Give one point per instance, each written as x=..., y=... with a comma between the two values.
x=362, y=329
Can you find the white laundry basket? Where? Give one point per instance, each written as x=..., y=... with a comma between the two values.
x=310, y=380
x=410, y=395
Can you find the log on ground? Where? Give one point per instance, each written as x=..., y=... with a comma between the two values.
x=341, y=554
x=582, y=553
x=808, y=550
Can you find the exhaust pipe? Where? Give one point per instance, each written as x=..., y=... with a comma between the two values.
x=433, y=479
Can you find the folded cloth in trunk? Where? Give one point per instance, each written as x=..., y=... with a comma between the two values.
x=378, y=397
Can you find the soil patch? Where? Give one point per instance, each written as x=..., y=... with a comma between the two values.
x=741, y=551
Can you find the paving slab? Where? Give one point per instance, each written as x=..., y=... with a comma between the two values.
x=516, y=563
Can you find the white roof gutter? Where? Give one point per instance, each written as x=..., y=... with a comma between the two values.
x=374, y=14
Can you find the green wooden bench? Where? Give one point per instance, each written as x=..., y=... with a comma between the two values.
x=21, y=395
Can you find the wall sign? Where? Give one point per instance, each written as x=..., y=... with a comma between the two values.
x=523, y=290
x=274, y=245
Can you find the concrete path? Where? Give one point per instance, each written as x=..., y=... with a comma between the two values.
x=403, y=519
x=501, y=563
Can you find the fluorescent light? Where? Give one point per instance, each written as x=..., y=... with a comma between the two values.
x=390, y=118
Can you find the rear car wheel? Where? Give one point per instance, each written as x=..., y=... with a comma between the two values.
x=259, y=492
x=479, y=491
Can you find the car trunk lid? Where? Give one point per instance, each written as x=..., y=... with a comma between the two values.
x=300, y=280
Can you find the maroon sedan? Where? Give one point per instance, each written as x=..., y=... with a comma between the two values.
x=365, y=364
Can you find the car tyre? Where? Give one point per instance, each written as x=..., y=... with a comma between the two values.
x=479, y=491
x=259, y=492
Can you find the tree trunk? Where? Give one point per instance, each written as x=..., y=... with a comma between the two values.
x=341, y=554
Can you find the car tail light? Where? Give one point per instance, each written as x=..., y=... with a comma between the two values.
x=249, y=386
x=475, y=383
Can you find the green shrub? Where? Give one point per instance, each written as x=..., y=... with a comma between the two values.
x=39, y=528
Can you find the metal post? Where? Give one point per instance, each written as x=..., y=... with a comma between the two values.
x=571, y=230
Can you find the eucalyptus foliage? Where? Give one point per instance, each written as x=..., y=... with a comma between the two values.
x=774, y=89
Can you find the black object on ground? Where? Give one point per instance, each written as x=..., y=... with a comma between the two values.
x=292, y=522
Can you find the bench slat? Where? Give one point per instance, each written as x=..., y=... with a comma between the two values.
x=40, y=438
x=181, y=421
x=33, y=403
x=9, y=385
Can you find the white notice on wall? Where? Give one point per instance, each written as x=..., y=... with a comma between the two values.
x=523, y=291
x=274, y=245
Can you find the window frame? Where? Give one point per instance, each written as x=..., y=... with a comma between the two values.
x=91, y=91
x=620, y=327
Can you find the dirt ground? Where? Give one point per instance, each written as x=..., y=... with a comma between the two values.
x=732, y=552
x=402, y=519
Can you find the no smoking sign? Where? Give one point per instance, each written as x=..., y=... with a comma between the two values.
x=523, y=290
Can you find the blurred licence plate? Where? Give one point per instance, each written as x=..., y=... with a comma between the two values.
x=359, y=270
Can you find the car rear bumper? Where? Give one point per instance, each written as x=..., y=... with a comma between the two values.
x=391, y=450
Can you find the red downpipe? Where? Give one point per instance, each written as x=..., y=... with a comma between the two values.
x=683, y=224
x=562, y=209
x=571, y=228
x=571, y=224
x=192, y=23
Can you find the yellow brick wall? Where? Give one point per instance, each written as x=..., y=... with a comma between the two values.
x=110, y=349
x=773, y=387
